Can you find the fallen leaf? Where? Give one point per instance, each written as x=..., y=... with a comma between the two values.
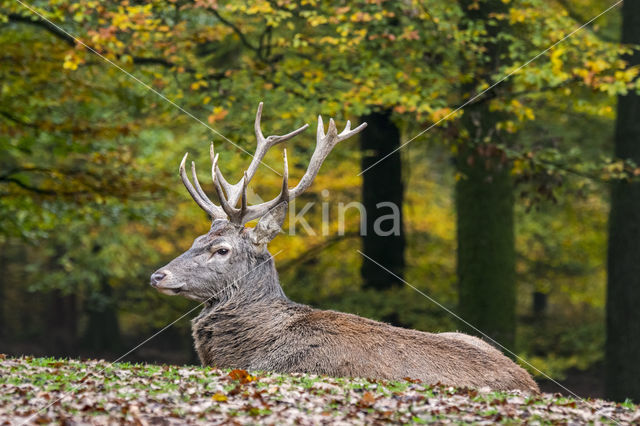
x=219, y=397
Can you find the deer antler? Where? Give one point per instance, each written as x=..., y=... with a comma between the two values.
x=197, y=193
x=245, y=213
x=234, y=192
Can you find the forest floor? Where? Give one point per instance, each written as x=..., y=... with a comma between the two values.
x=48, y=390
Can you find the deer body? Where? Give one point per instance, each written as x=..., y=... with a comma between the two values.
x=287, y=337
x=248, y=322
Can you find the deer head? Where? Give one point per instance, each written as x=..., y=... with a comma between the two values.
x=228, y=259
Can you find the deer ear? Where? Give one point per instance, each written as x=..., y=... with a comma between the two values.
x=269, y=225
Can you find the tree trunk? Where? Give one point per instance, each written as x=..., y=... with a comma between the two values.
x=484, y=204
x=3, y=282
x=102, y=335
x=539, y=305
x=382, y=184
x=486, y=246
x=623, y=286
x=62, y=321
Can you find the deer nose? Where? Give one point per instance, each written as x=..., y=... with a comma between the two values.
x=156, y=277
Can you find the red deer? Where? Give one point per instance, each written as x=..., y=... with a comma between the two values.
x=248, y=322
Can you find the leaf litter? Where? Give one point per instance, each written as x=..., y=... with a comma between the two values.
x=48, y=390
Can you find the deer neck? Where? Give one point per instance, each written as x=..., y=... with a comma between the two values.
x=260, y=285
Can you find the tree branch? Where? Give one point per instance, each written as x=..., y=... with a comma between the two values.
x=13, y=17
x=16, y=120
x=236, y=30
x=35, y=188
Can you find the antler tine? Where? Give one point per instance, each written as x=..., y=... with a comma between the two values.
x=256, y=124
x=320, y=131
x=197, y=186
x=347, y=132
x=218, y=175
x=197, y=194
x=259, y=210
x=234, y=192
x=245, y=182
x=233, y=214
x=324, y=144
x=285, y=175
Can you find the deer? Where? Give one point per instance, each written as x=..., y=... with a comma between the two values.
x=247, y=321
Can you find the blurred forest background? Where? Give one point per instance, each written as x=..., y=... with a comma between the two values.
x=505, y=202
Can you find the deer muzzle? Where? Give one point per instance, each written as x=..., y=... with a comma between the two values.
x=162, y=281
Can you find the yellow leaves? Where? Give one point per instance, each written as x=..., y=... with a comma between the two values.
x=71, y=61
x=518, y=167
x=586, y=75
x=198, y=84
x=627, y=75
x=606, y=111
x=329, y=40
x=78, y=16
x=360, y=34
x=521, y=15
x=361, y=17
x=343, y=30
x=255, y=8
x=498, y=16
x=528, y=114
x=120, y=21
x=299, y=41
x=134, y=18
x=314, y=75
x=218, y=114
x=126, y=59
x=597, y=65
x=522, y=112
x=594, y=109
x=516, y=16
x=441, y=114
x=556, y=59
x=606, y=76
x=219, y=397
x=509, y=126
x=206, y=100
x=316, y=20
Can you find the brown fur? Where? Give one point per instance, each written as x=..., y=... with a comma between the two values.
x=286, y=337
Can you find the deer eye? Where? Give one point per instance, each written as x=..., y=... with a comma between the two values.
x=222, y=251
